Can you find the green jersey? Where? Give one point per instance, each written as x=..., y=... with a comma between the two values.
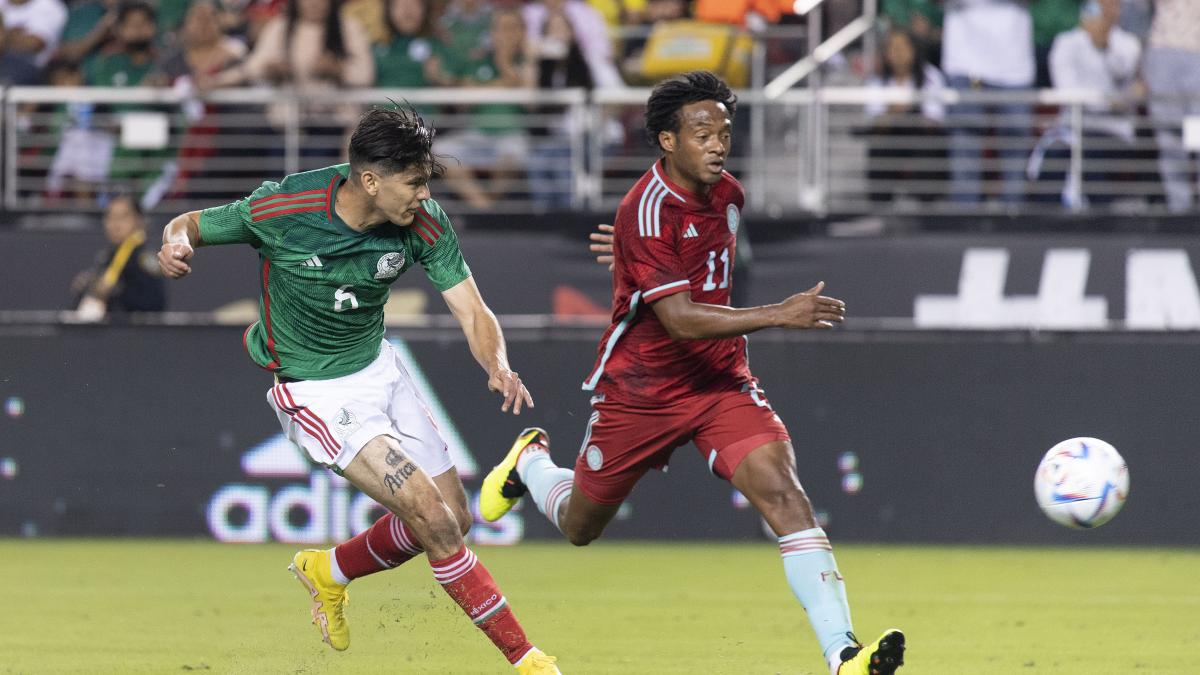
x=323, y=284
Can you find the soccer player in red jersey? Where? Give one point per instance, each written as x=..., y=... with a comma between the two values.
x=672, y=367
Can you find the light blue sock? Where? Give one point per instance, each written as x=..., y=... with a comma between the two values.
x=813, y=575
x=549, y=485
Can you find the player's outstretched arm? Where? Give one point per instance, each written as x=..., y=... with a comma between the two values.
x=181, y=236
x=482, y=329
x=687, y=320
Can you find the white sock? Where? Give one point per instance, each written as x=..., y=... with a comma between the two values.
x=813, y=575
x=549, y=485
x=522, y=659
x=335, y=571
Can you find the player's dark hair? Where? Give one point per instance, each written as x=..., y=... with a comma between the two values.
x=134, y=6
x=669, y=97
x=391, y=140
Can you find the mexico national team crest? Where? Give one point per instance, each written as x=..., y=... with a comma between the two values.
x=389, y=265
x=347, y=422
x=731, y=217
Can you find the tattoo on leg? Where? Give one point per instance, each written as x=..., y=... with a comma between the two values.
x=396, y=479
x=394, y=457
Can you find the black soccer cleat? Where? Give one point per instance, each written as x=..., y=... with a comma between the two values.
x=513, y=488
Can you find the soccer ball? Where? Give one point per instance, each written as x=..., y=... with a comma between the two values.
x=1081, y=483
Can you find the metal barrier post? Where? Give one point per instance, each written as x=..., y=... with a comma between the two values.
x=291, y=134
x=10, y=149
x=579, y=144
x=802, y=115
x=758, y=122
x=810, y=193
x=1075, y=177
x=595, y=159
x=819, y=199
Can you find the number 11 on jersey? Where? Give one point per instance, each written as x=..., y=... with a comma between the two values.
x=709, y=283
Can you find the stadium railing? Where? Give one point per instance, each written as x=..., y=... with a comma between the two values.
x=806, y=151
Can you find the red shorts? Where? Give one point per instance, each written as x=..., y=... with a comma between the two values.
x=623, y=442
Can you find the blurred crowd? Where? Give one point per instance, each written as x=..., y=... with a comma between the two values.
x=322, y=46
x=1141, y=56
x=383, y=43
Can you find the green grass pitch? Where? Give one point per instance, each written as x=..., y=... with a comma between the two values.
x=182, y=606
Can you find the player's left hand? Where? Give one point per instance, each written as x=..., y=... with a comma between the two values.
x=603, y=247
x=508, y=384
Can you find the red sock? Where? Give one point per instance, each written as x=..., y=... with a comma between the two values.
x=467, y=581
x=386, y=544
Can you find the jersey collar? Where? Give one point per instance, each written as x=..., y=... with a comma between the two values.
x=689, y=198
x=335, y=184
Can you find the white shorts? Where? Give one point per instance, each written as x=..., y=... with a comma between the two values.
x=333, y=419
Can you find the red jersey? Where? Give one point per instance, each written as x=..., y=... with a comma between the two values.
x=667, y=240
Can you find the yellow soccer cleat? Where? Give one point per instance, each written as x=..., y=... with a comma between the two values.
x=538, y=663
x=502, y=487
x=881, y=657
x=311, y=567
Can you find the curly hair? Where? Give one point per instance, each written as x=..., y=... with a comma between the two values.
x=392, y=140
x=669, y=97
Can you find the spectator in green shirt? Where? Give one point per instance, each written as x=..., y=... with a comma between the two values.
x=413, y=55
x=89, y=29
x=496, y=141
x=465, y=27
x=131, y=58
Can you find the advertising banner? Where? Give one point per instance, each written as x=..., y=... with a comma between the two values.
x=916, y=436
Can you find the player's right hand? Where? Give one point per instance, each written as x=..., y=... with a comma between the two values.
x=603, y=246
x=810, y=309
x=173, y=259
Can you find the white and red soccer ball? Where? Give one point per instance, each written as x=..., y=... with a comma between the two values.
x=1081, y=483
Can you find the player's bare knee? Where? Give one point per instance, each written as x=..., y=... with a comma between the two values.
x=582, y=538
x=437, y=528
x=465, y=521
x=581, y=535
x=783, y=501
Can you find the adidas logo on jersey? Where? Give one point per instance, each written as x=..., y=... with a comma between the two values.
x=690, y=231
x=314, y=262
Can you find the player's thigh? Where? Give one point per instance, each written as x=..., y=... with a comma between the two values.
x=620, y=445
x=412, y=421
x=385, y=473
x=733, y=425
x=767, y=477
x=331, y=420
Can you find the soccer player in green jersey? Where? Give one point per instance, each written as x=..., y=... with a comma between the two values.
x=330, y=243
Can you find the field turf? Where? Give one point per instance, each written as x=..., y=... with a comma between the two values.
x=182, y=606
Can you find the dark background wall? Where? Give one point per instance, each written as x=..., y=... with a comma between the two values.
x=111, y=430
x=520, y=271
